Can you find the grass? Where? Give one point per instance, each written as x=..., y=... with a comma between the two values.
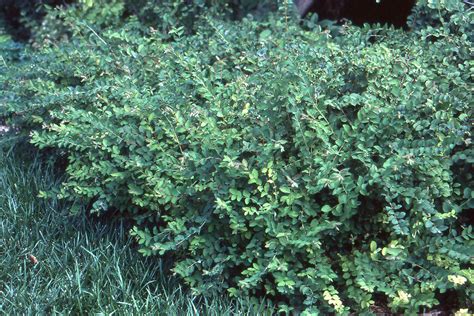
x=84, y=266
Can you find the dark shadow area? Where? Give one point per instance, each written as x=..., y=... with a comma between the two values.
x=359, y=11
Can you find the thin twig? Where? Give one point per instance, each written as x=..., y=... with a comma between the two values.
x=102, y=40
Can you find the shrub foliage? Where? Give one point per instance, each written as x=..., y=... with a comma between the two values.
x=329, y=173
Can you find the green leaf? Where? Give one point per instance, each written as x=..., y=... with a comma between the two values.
x=373, y=246
x=135, y=189
x=326, y=209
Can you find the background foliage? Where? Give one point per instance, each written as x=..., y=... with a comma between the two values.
x=328, y=169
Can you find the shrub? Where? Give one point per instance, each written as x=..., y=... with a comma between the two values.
x=37, y=21
x=19, y=16
x=329, y=174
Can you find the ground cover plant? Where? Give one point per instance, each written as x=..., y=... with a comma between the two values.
x=327, y=170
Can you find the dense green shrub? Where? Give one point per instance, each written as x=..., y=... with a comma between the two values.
x=39, y=22
x=19, y=16
x=329, y=174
